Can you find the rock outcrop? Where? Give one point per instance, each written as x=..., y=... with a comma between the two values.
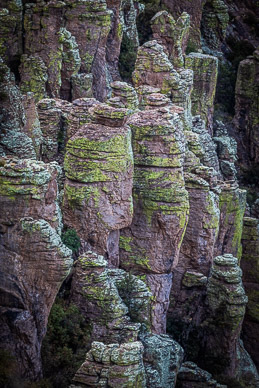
x=99, y=171
x=140, y=181
x=34, y=261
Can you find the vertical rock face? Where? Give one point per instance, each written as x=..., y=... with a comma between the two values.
x=249, y=264
x=151, y=245
x=27, y=290
x=227, y=301
x=173, y=35
x=30, y=244
x=204, y=85
x=99, y=168
x=246, y=111
x=20, y=133
x=232, y=208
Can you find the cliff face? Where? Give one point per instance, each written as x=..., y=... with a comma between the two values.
x=141, y=181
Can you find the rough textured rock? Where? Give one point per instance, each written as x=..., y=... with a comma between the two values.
x=204, y=85
x=172, y=35
x=225, y=354
x=150, y=246
x=98, y=299
x=246, y=112
x=20, y=134
x=249, y=264
x=226, y=150
x=154, y=69
x=28, y=291
x=232, y=203
x=98, y=190
x=112, y=365
x=32, y=187
x=162, y=359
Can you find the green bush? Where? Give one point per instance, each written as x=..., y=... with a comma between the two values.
x=65, y=344
x=127, y=58
x=71, y=239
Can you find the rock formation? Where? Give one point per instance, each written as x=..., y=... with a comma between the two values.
x=141, y=180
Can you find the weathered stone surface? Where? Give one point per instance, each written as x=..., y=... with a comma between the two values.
x=82, y=86
x=151, y=244
x=29, y=188
x=34, y=262
x=249, y=264
x=71, y=63
x=225, y=354
x=98, y=189
x=79, y=114
x=123, y=96
x=162, y=359
x=246, y=112
x=98, y=299
x=112, y=365
x=214, y=24
x=135, y=294
x=204, y=85
x=50, y=123
x=232, y=203
x=90, y=24
x=226, y=150
x=154, y=69
x=191, y=376
x=172, y=34
x=43, y=44
x=34, y=76
x=209, y=157
x=20, y=135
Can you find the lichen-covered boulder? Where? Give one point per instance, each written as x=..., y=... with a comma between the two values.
x=29, y=188
x=112, y=365
x=123, y=96
x=34, y=262
x=162, y=359
x=205, y=71
x=97, y=297
x=99, y=171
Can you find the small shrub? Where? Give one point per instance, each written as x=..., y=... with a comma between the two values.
x=65, y=344
x=71, y=239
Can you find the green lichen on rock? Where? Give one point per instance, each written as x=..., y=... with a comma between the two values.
x=232, y=202
x=205, y=69
x=33, y=76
